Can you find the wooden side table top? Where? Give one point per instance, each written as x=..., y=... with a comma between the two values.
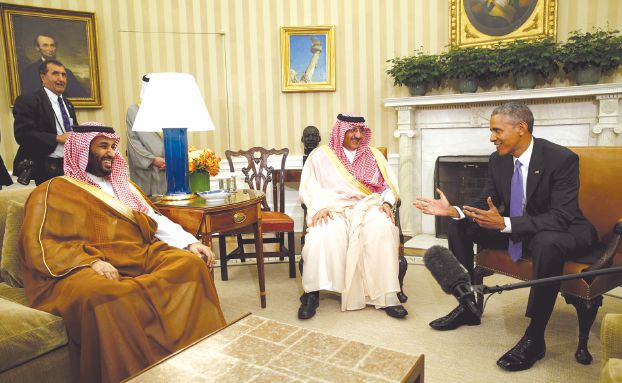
x=254, y=348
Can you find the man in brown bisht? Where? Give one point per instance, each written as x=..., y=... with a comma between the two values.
x=131, y=285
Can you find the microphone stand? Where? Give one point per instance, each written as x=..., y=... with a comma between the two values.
x=483, y=289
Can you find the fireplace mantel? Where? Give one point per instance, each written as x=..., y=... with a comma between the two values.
x=457, y=124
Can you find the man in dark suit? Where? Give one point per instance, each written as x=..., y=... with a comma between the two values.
x=530, y=207
x=43, y=121
x=29, y=79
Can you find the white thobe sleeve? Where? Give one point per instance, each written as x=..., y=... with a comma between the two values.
x=387, y=195
x=170, y=232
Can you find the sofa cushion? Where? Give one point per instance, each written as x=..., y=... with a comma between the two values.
x=612, y=371
x=15, y=294
x=11, y=262
x=26, y=333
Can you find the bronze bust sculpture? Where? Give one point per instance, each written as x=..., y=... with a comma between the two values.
x=311, y=139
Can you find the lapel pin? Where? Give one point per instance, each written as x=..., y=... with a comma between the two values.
x=536, y=172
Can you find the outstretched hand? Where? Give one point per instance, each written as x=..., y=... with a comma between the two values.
x=488, y=219
x=438, y=207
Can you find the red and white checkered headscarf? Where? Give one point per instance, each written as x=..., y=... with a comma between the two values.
x=364, y=167
x=77, y=148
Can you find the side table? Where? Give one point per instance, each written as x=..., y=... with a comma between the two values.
x=203, y=218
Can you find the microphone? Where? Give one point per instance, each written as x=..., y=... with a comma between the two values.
x=451, y=276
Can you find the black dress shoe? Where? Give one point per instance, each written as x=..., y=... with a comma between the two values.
x=522, y=356
x=309, y=302
x=396, y=311
x=456, y=318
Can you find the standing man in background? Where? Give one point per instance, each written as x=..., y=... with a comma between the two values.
x=43, y=121
x=145, y=153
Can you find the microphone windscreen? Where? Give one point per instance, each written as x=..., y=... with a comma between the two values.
x=445, y=268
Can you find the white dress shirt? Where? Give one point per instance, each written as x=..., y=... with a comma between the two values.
x=386, y=194
x=168, y=231
x=60, y=129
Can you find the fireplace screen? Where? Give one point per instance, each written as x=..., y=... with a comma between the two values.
x=461, y=178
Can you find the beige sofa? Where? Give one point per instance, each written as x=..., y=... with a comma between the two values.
x=33, y=343
x=611, y=348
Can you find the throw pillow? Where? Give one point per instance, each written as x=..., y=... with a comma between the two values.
x=11, y=262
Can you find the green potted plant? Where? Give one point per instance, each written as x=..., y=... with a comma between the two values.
x=589, y=54
x=470, y=66
x=416, y=72
x=526, y=59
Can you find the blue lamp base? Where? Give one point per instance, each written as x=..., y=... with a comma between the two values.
x=176, y=157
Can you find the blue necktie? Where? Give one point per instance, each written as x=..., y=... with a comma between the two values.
x=515, y=249
x=63, y=113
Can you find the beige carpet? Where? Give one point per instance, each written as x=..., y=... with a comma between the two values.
x=467, y=354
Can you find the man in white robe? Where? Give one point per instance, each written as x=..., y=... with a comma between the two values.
x=351, y=245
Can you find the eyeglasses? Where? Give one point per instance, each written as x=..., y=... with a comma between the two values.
x=357, y=129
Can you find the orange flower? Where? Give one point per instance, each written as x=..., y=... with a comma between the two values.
x=203, y=161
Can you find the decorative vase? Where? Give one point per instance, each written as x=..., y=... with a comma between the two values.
x=199, y=182
x=417, y=89
x=588, y=75
x=525, y=80
x=467, y=85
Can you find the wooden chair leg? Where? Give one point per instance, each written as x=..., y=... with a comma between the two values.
x=586, y=313
x=222, y=248
x=241, y=248
x=291, y=246
x=403, y=266
x=281, y=239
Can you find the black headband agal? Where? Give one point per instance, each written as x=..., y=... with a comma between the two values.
x=341, y=117
x=145, y=78
x=89, y=129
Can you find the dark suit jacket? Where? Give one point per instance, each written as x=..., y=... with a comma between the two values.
x=552, y=197
x=30, y=81
x=35, y=127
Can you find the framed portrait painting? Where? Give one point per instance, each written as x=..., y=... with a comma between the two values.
x=32, y=35
x=485, y=22
x=308, y=59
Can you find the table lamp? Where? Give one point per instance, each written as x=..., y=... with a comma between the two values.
x=173, y=104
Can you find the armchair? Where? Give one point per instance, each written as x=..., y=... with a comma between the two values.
x=600, y=199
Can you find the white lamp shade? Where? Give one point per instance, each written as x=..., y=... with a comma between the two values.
x=172, y=100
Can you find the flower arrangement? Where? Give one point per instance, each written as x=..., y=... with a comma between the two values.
x=203, y=161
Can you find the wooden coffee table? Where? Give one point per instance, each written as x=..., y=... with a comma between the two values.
x=263, y=350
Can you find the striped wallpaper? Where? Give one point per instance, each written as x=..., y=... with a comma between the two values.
x=232, y=48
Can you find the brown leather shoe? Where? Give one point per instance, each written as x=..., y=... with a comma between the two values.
x=522, y=356
x=456, y=318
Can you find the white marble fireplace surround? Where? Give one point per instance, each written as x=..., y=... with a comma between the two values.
x=458, y=124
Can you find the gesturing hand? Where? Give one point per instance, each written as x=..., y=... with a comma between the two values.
x=202, y=251
x=488, y=219
x=106, y=269
x=439, y=207
x=321, y=216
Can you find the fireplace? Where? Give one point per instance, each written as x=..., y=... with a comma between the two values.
x=462, y=179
